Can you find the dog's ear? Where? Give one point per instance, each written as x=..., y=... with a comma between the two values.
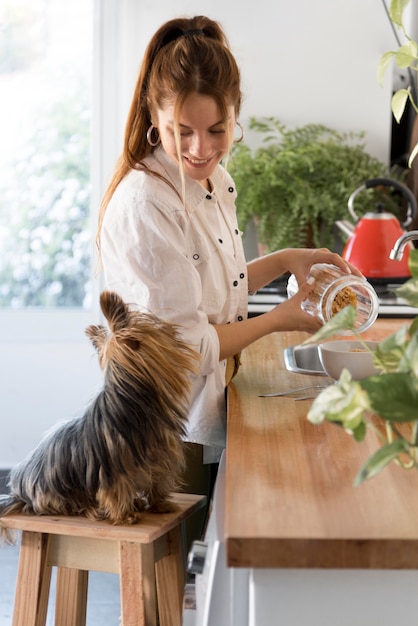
x=115, y=310
x=133, y=344
x=98, y=336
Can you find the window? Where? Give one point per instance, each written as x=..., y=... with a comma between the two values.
x=65, y=70
x=46, y=69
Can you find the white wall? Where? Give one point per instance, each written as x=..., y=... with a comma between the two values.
x=301, y=61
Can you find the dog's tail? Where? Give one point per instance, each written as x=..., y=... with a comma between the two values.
x=8, y=505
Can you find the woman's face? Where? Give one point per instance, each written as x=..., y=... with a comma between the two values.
x=204, y=137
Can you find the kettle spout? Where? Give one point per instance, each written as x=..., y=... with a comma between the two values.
x=345, y=226
x=397, y=251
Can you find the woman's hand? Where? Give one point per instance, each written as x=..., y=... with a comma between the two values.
x=297, y=261
x=289, y=314
x=284, y=317
x=300, y=261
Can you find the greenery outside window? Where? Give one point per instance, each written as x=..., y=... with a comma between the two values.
x=46, y=69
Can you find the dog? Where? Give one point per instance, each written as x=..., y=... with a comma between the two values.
x=126, y=453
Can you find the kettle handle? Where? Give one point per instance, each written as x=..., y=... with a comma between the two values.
x=387, y=182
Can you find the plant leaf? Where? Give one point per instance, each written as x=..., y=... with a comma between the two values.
x=406, y=55
x=343, y=320
x=380, y=459
x=393, y=396
x=390, y=350
x=396, y=340
x=413, y=329
x=413, y=155
x=413, y=262
x=411, y=357
x=399, y=100
x=384, y=63
x=359, y=433
x=409, y=291
x=396, y=10
x=343, y=403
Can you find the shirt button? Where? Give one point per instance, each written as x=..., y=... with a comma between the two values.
x=240, y=318
x=195, y=256
x=236, y=231
x=230, y=189
x=235, y=283
x=242, y=275
x=220, y=240
x=208, y=197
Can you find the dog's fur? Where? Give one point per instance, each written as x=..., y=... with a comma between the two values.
x=126, y=452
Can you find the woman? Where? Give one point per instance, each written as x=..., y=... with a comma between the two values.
x=168, y=235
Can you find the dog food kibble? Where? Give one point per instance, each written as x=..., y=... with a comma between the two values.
x=344, y=298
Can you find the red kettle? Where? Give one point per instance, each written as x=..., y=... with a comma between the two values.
x=371, y=238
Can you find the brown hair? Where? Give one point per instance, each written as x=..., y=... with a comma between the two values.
x=185, y=56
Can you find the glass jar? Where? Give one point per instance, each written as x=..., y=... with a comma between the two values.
x=333, y=290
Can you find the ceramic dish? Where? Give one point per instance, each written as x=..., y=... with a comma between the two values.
x=349, y=354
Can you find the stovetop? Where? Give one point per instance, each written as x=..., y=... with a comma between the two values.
x=390, y=305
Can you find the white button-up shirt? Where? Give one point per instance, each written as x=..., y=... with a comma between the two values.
x=184, y=262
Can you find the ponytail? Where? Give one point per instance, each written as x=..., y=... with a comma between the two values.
x=184, y=56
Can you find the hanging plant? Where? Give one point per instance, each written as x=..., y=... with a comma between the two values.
x=406, y=58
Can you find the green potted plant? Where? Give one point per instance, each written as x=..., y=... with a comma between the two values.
x=388, y=400
x=404, y=100
x=297, y=183
x=406, y=58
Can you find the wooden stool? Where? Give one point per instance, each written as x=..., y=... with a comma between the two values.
x=149, y=558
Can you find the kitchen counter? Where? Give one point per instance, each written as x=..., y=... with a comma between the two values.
x=290, y=500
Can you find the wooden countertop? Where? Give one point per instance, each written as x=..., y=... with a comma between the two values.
x=290, y=502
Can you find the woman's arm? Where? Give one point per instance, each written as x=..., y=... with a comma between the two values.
x=288, y=315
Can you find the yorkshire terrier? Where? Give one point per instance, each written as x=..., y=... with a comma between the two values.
x=126, y=453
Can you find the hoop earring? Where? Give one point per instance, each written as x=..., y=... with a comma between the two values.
x=242, y=134
x=149, y=136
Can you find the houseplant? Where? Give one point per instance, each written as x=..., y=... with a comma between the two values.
x=297, y=183
x=404, y=100
x=388, y=402
x=406, y=58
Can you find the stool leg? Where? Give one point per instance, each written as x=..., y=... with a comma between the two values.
x=137, y=584
x=170, y=577
x=71, y=597
x=33, y=581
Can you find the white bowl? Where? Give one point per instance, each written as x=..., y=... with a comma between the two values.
x=349, y=354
